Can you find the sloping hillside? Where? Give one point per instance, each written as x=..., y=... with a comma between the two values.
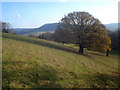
x=112, y=26
x=45, y=28
x=35, y=63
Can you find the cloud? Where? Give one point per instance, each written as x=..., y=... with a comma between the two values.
x=18, y=16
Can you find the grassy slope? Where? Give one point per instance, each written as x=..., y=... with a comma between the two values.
x=34, y=63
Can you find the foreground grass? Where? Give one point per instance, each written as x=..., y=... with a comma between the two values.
x=35, y=63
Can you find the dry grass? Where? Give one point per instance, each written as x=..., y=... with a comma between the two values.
x=35, y=63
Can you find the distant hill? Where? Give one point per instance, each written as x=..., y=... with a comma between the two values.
x=45, y=28
x=112, y=26
x=53, y=26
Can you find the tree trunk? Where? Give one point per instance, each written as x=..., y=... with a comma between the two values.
x=63, y=43
x=80, y=48
x=107, y=53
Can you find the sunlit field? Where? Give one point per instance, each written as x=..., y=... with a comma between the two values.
x=36, y=63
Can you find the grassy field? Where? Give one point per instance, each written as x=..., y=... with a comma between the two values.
x=35, y=63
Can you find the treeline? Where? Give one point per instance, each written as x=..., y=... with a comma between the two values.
x=56, y=37
x=7, y=28
x=46, y=35
x=114, y=39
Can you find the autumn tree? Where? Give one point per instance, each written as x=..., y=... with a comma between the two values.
x=49, y=36
x=31, y=35
x=99, y=41
x=42, y=36
x=88, y=31
x=64, y=36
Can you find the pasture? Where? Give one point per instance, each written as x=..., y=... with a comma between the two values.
x=37, y=63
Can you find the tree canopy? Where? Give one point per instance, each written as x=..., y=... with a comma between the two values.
x=88, y=31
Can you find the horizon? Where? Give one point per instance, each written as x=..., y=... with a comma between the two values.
x=36, y=14
x=51, y=23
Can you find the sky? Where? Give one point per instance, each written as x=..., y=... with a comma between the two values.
x=35, y=14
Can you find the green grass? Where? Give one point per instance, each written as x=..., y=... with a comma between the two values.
x=35, y=63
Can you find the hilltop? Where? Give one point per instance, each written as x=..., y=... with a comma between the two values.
x=112, y=26
x=44, y=28
x=51, y=27
x=36, y=63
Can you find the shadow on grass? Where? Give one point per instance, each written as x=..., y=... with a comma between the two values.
x=97, y=54
x=38, y=42
x=47, y=44
x=46, y=76
x=50, y=45
x=104, y=81
x=99, y=80
x=37, y=77
x=99, y=61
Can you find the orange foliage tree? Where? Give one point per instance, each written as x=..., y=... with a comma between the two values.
x=88, y=31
